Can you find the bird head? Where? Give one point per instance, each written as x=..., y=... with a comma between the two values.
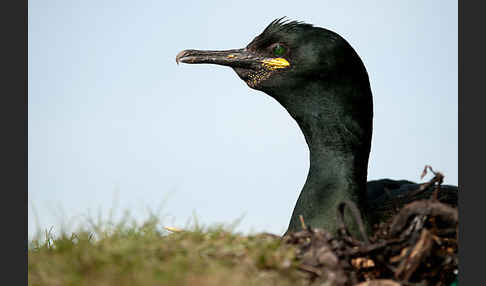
x=286, y=55
x=313, y=73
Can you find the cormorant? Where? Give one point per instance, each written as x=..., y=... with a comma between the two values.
x=321, y=81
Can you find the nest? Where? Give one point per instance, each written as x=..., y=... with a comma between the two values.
x=416, y=245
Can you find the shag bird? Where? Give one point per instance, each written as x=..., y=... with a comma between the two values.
x=321, y=81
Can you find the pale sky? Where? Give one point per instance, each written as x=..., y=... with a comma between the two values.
x=115, y=123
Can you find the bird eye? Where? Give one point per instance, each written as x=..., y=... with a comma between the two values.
x=279, y=50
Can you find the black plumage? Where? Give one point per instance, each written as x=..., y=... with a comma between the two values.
x=321, y=81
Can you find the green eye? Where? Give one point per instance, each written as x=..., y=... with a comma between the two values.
x=278, y=50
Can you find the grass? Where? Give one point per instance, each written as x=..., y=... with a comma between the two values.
x=144, y=254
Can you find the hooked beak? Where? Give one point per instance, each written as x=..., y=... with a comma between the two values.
x=239, y=58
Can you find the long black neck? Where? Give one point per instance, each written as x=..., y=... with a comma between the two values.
x=336, y=121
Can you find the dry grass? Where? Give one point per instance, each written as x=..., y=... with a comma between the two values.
x=145, y=255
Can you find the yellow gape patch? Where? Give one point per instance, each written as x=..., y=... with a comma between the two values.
x=275, y=63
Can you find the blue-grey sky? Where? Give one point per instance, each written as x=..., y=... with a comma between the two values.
x=113, y=121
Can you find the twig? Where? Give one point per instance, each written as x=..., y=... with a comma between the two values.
x=438, y=178
x=302, y=223
x=420, y=251
x=423, y=207
x=357, y=218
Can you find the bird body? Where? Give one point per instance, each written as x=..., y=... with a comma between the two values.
x=322, y=83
